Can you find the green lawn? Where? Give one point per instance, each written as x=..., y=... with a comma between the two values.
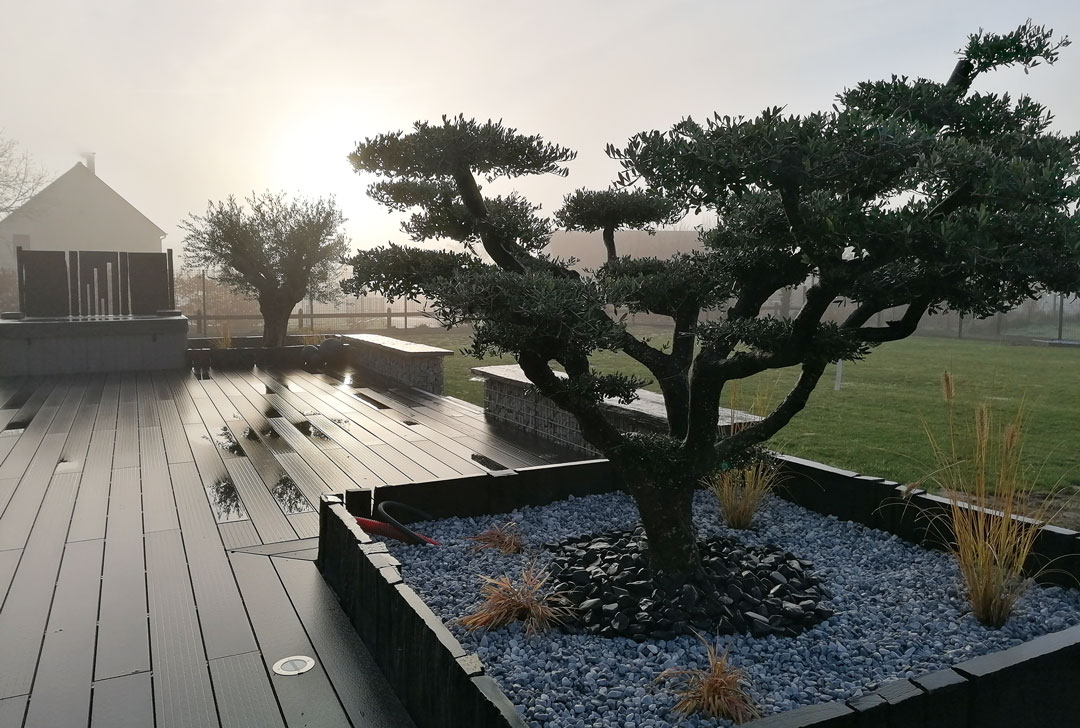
x=874, y=424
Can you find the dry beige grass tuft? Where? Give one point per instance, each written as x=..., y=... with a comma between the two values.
x=992, y=522
x=740, y=491
x=527, y=600
x=506, y=539
x=717, y=691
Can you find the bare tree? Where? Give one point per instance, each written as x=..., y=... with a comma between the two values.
x=20, y=176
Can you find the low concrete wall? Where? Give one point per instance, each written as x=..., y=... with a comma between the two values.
x=509, y=398
x=75, y=346
x=405, y=362
x=435, y=679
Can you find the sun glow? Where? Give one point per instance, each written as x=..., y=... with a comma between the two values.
x=311, y=150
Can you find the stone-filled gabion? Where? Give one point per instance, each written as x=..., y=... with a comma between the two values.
x=762, y=590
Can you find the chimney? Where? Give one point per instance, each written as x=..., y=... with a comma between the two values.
x=89, y=157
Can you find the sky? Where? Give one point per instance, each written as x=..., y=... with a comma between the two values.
x=186, y=102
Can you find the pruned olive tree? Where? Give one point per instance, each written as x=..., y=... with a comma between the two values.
x=908, y=193
x=277, y=251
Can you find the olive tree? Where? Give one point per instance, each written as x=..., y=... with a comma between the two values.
x=277, y=251
x=908, y=194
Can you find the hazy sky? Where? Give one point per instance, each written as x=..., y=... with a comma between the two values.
x=188, y=101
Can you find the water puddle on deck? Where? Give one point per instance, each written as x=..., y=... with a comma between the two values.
x=15, y=427
x=225, y=441
x=369, y=401
x=225, y=502
x=487, y=462
x=289, y=497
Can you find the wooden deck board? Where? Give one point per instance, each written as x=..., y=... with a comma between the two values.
x=9, y=560
x=182, y=693
x=238, y=534
x=177, y=449
x=380, y=468
x=91, y=506
x=26, y=608
x=126, y=450
x=26, y=445
x=306, y=524
x=12, y=710
x=120, y=603
x=307, y=697
x=335, y=478
x=266, y=516
x=19, y=516
x=123, y=641
x=339, y=650
x=159, y=507
x=66, y=667
x=245, y=697
x=123, y=702
x=225, y=626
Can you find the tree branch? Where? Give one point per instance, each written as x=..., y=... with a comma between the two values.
x=594, y=426
x=474, y=203
x=778, y=418
x=896, y=330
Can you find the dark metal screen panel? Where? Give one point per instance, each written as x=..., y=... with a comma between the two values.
x=73, y=282
x=148, y=277
x=125, y=286
x=43, y=281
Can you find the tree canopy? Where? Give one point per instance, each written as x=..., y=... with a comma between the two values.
x=276, y=250
x=907, y=193
x=20, y=177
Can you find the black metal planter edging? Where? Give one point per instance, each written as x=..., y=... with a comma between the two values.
x=282, y=357
x=439, y=684
x=1033, y=684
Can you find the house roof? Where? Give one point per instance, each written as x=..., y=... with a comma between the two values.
x=79, y=175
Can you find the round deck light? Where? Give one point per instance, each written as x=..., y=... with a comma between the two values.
x=294, y=665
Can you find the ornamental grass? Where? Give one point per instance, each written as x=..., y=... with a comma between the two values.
x=528, y=600
x=506, y=539
x=718, y=691
x=992, y=524
x=741, y=490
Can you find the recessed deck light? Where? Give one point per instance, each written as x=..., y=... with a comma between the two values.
x=294, y=665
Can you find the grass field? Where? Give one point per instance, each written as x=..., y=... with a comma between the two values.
x=874, y=424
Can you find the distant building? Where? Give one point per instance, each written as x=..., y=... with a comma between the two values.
x=589, y=249
x=77, y=211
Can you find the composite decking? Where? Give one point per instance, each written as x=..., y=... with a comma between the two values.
x=158, y=532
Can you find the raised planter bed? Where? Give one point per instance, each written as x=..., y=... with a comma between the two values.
x=404, y=362
x=1000, y=688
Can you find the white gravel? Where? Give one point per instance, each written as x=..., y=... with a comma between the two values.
x=899, y=613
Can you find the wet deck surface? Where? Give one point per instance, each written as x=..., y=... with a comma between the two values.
x=158, y=532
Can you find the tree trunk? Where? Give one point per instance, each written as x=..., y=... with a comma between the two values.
x=667, y=515
x=785, y=302
x=275, y=313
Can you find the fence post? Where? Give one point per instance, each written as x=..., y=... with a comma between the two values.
x=388, y=321
x=1061, y=316
x=405, y=310
x=205, y=310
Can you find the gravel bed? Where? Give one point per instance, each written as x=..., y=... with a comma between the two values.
x=898, y=613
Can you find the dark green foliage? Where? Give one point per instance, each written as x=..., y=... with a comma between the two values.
x=907, y=193
x=274, y=243
x=435, y=152
x=276, y=250
x=591, y=210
